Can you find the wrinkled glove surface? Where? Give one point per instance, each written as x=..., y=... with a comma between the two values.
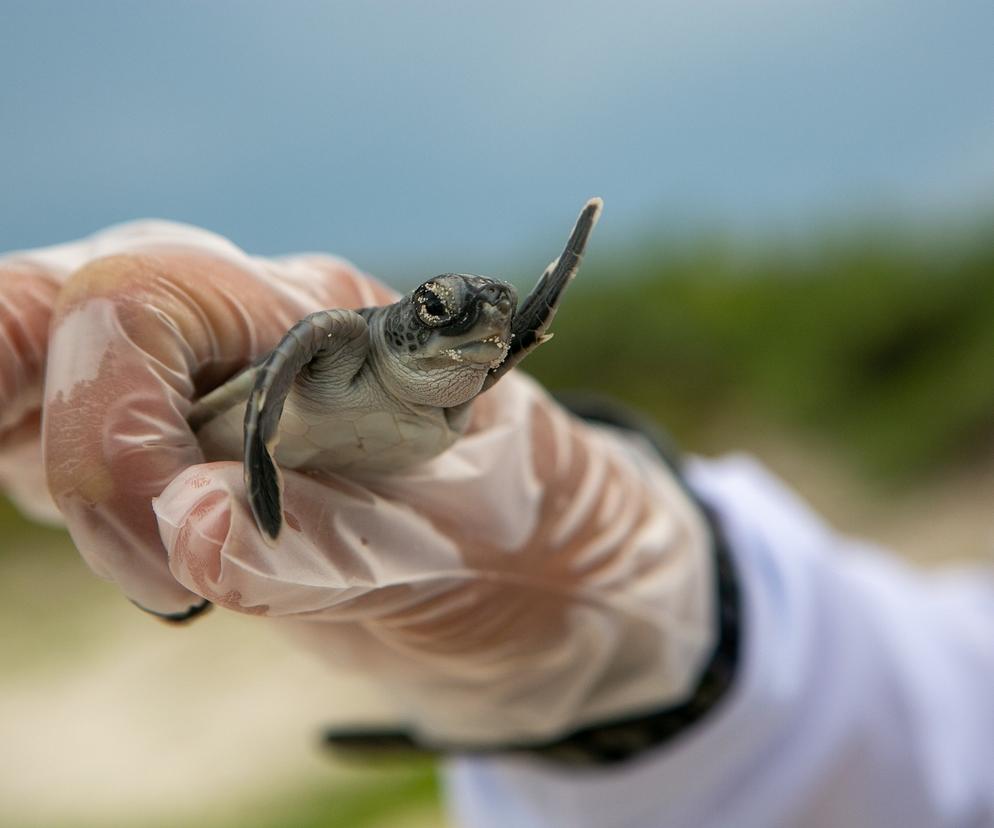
x=541, y=575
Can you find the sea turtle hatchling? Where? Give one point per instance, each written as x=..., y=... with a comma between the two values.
x=381, y=388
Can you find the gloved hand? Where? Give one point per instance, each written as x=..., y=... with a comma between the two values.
x=541, y=575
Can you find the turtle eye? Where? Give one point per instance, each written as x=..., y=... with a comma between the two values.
x=432, y=307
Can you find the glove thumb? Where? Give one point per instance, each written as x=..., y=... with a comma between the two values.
x=340, y=548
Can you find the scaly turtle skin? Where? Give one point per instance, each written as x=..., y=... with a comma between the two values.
x=378, y=389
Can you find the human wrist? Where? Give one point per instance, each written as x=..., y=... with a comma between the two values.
x=628, y=710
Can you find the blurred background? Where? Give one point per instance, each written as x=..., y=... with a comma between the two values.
x=796, y=259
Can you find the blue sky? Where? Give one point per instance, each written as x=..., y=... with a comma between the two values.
x=457, y=135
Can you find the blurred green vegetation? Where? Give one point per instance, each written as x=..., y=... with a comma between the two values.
x=881, y=343
x=394, y=793
x=387, y=795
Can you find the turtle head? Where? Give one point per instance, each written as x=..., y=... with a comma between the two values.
x=443, y=338
x=467, y=319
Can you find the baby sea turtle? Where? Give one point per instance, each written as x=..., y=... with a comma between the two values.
x=378, y=389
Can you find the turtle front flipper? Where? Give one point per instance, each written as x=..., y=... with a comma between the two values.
x=340, y=339
x=532, y=320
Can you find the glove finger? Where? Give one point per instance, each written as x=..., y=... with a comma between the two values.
x=344, y=553
x=135, y=337
x=30, y=281
x=27, y=293
x=22, y=473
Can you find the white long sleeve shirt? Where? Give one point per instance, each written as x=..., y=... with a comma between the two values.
x=864, y=697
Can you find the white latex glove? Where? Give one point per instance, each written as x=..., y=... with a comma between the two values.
x=539, y=576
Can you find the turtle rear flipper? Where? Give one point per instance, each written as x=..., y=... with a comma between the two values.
x=223, y=398
x=532, y=320
x=340, y=337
